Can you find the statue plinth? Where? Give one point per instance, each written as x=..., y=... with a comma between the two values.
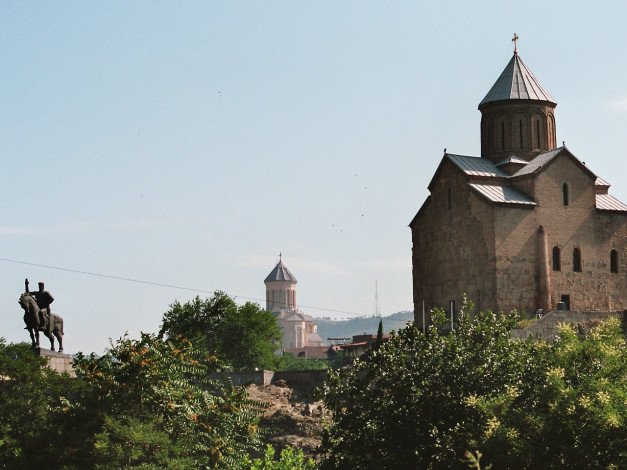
x=58, y=362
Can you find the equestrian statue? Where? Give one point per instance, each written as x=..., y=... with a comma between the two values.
x=38, y=317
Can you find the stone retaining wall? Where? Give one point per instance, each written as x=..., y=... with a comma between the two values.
x=305, y=381
x=546, y=327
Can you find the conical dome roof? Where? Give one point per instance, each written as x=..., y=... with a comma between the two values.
x=517, y=83
x=280, y=273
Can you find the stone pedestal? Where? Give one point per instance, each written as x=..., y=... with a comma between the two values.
x=57, y=361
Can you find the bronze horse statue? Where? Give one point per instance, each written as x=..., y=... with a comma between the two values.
x=38, y=320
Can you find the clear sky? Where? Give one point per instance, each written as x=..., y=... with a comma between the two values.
x=188, y=143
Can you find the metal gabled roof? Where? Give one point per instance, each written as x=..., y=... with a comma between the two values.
x=538, y=162
x=502, y=194
x=476, y=166
x=601, y=182
x=280, y=273
x=545, y=159
x=605, y=202
x=517, y=82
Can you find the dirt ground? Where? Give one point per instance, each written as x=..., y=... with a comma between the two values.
x=295, y=420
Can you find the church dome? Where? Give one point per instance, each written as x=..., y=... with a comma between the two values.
x=280, y=273
x=517, y=82
x=517, y=115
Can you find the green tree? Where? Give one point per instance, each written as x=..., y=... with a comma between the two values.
x=149, y=403
x=288, y=460
x=32, y=403
x=379, y=341
x=422, y=400
x=406, y=404
x=570, y=409
x=291, y=362
x=243, y=336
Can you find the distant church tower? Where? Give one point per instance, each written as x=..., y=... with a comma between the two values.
x=299, y=330
x=280, y=288
x=517, y=116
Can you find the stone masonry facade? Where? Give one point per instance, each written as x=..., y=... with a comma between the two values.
x=527, y=225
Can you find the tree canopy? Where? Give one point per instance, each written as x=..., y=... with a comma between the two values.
x=243, y=336
x=423, y=400
x=32, y=401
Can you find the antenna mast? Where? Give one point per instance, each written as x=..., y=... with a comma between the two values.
x=377, y=310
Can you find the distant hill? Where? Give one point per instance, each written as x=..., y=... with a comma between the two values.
x=328, y=328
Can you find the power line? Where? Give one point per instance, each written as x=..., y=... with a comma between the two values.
x=159, y=284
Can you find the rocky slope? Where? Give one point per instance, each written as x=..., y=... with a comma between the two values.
x=295, y=420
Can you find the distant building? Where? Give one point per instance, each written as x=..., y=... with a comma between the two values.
x=527, y=225
x=299, y=330
x=361, y=344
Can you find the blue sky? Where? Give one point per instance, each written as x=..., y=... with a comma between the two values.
x=188, y=143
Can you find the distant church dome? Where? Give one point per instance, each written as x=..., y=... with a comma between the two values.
x=280, y=288
x=280, y=273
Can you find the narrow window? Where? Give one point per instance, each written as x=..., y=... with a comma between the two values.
x=503, y=135
x=489, y=138
x=557, y=259
x=520, y=130
x=538, y=131
x=450, y=199
x=565, y=193
x=577, y=260
x=614, y=261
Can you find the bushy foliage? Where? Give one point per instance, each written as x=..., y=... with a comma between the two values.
x=571, y=408
x=291, y=362
x=243, y=336
x=288, y=460
x=32, y=401
x=405, y=405
x=150, y=403
x=422, y=400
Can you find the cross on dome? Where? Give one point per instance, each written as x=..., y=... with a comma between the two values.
x=514, y=39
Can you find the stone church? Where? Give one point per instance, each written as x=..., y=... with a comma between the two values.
x=299, y=330
x=527, y=225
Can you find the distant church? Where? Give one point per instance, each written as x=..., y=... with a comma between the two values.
x=299, y=330
x=527, y=225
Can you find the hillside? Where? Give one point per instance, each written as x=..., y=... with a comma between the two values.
x=328, y=328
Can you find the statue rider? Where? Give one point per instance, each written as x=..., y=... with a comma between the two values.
x=43, y=299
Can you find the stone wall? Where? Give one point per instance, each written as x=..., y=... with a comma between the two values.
x=547, y=326
x=453, y=248
x=516, y=242
x=304, y=381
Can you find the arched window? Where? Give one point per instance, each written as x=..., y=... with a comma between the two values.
x=503, y=135
x=565, y=193
x=520, y=131
x=538, y=131
x=577, y=260
x=489, y=137
x=614, y=261
x=557, y=259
